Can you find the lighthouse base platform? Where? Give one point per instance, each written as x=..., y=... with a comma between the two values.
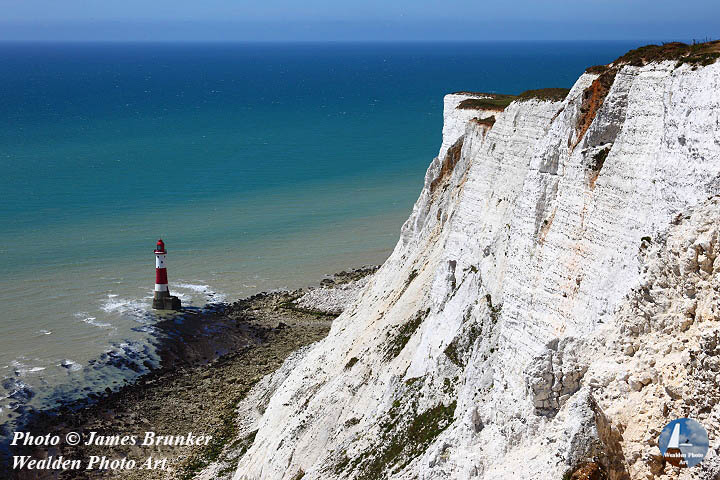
x=165, y=301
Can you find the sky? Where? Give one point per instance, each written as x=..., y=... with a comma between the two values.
x=357, y=20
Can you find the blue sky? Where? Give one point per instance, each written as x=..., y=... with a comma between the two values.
x=340, y=20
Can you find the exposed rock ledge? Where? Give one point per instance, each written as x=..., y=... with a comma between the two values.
x=552, y=302
x=210, y=360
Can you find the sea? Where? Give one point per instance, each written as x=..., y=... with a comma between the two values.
x=261, y=166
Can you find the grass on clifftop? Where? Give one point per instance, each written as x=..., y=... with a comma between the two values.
x=498, y=102
x=549, y=94
x=695, y=54
x=492, y=101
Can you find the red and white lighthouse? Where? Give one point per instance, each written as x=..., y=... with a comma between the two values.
x=162, y=300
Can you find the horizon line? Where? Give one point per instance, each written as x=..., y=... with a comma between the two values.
x=331, y=41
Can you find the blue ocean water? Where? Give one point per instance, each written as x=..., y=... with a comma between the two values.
x=261, y=166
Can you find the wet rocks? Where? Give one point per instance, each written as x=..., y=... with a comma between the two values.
x=209, y=362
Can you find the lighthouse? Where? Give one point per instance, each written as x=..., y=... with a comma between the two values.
x=162, y=300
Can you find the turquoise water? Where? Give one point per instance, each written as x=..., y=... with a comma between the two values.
x=262, y=166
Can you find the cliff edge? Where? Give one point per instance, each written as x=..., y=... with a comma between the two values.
x=551, y=304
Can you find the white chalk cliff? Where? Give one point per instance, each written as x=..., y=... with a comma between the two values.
x=552, y=303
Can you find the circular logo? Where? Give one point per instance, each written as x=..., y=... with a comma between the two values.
x=683, y=442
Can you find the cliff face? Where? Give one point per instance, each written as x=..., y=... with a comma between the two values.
x=551, y=304
x=457, y=116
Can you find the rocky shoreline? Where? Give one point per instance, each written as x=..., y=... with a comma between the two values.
x=210, y=360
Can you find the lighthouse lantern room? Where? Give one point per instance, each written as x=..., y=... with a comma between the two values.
x=162, y=300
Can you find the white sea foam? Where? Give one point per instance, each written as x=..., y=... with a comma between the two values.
x=46, y=332
x=210, y=294
x=194, y=287
x=22, y=369
x=122, y=305
x=182, y=296
x=17, y=385
x=134, y=346
x=218, y=297
x=93, y=321
x=90, y=320
x=71, y=365
x=132, y=307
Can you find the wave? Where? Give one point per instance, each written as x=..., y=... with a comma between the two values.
x=194, y=287
x=123, y=305
x=210, y=295
x=71, y=365
x=90, y=320
x=16, y=389
x=22, y=369
x=139, y=309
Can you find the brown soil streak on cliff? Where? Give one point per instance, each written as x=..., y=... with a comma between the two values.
x=593, y=98
x=451, y=158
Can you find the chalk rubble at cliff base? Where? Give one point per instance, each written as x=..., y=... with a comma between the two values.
x=335, y=294
x=551, y=304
